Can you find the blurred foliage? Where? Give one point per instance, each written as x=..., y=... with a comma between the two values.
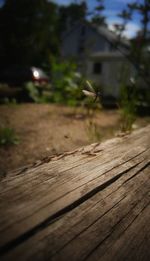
x=28, y=32
x=70, y=14
x=37, y=94
x=139, y=53
x=128, y=107
x=66, y=83
x=65, y=88
x=93, y=131
x=8, y=137
x=90, y=104
x=128, y=100
x=32, y=91
x=97, y=16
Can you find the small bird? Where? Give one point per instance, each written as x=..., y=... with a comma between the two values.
x=91, y=92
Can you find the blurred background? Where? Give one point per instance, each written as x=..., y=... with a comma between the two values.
x=48, y=52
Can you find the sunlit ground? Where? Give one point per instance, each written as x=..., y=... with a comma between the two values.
x=43, y=129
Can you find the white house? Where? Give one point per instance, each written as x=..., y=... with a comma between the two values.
x=99, y=55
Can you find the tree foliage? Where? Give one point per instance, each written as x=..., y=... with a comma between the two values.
x=28, y=31
x=71, y=14
x=139, y=50
x=97, y=17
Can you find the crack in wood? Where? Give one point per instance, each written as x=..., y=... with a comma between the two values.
x=138, y=172
x=105, y=213
x=119, y=222
x=130, y=159
x=14, y=243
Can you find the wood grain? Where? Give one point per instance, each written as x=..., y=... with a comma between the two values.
x=90, y=204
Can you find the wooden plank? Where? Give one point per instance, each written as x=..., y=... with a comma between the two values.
x=134, y=238
x=48, y=202
x=76, y=222
x=73, y=198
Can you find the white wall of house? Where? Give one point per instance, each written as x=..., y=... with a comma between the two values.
x=109, y=77
x=87, y=47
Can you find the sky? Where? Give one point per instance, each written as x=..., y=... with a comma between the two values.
x=112, y=9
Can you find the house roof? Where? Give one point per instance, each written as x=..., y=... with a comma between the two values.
x=110, y=36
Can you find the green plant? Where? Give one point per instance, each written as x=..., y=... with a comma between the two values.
x=66, y=83
x=38, y=94
x=32, y=91
x=128, y=99
x=93, y=131
x=8, y=136
x=128, y=107
x=90, y=104
x=10, y=102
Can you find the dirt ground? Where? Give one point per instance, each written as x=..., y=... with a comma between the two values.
x=45, y=129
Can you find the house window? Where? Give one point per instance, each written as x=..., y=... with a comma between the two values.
x=112, y=47
x=97, y=68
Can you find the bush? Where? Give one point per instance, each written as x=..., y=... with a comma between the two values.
x=32, y=91
x=8, y=137
x=128, y=107
x=38, y=94
x=66, y=83
x=128, y=98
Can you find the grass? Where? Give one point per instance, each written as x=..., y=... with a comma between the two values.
x=93, y=131
x=8, y=137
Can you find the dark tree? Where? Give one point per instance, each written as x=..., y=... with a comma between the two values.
x=97, y=17
x=139, y=51
x=28, y=31
x=70, y=15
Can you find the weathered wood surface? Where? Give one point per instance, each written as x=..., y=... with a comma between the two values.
x=90, y=204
